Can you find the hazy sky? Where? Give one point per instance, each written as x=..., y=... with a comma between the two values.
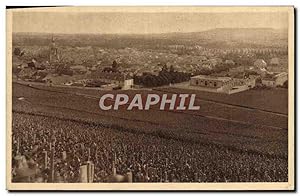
x=70, y=22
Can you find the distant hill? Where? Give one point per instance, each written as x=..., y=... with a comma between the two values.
x=260, y=36
x=235, y=33
x=215, y=38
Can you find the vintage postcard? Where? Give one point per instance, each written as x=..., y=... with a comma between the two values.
x=150, y=98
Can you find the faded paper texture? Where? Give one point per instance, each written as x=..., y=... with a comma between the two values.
x=237, y=62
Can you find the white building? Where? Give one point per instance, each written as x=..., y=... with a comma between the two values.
x=212, y=83
x=222, y=84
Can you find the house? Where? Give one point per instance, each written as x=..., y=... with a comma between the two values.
x=273, y=80
x=26, y=73
x=123, y=81
x=274, y=62
x=39, y=75
x=230, y=62
x=55, y=79
x=260, y=63
x=215, y=61
x=18, y=64
x=62, y=79
x=79, y=69
x=238, y=69
x=202, y=58
x=278, y=66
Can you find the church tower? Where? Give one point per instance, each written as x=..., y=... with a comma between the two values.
x=53, y=57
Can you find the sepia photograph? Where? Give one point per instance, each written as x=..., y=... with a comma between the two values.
x=150, y=98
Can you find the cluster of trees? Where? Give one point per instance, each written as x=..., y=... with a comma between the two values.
x=222, y=67
x=285, y=84
x=63, y=69
x=165, y=77
x=41, y=54
x=18, y=52
x=114, y=67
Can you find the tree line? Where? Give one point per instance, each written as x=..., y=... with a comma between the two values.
x=165, y=77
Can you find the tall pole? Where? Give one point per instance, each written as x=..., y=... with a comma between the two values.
x=45, y=159
x=89, y=154
x=18, y=145
x=52, y=144
x=52, y=162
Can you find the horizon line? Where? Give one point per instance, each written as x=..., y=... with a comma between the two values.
x=171, y=32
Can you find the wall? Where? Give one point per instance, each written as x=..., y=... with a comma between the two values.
x=269, y=83
x=280, y=80
x=206, y=83
x=239, y=89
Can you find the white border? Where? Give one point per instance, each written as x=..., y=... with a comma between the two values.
x=110, y=2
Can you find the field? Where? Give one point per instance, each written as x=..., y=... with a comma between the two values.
x=240, y=137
